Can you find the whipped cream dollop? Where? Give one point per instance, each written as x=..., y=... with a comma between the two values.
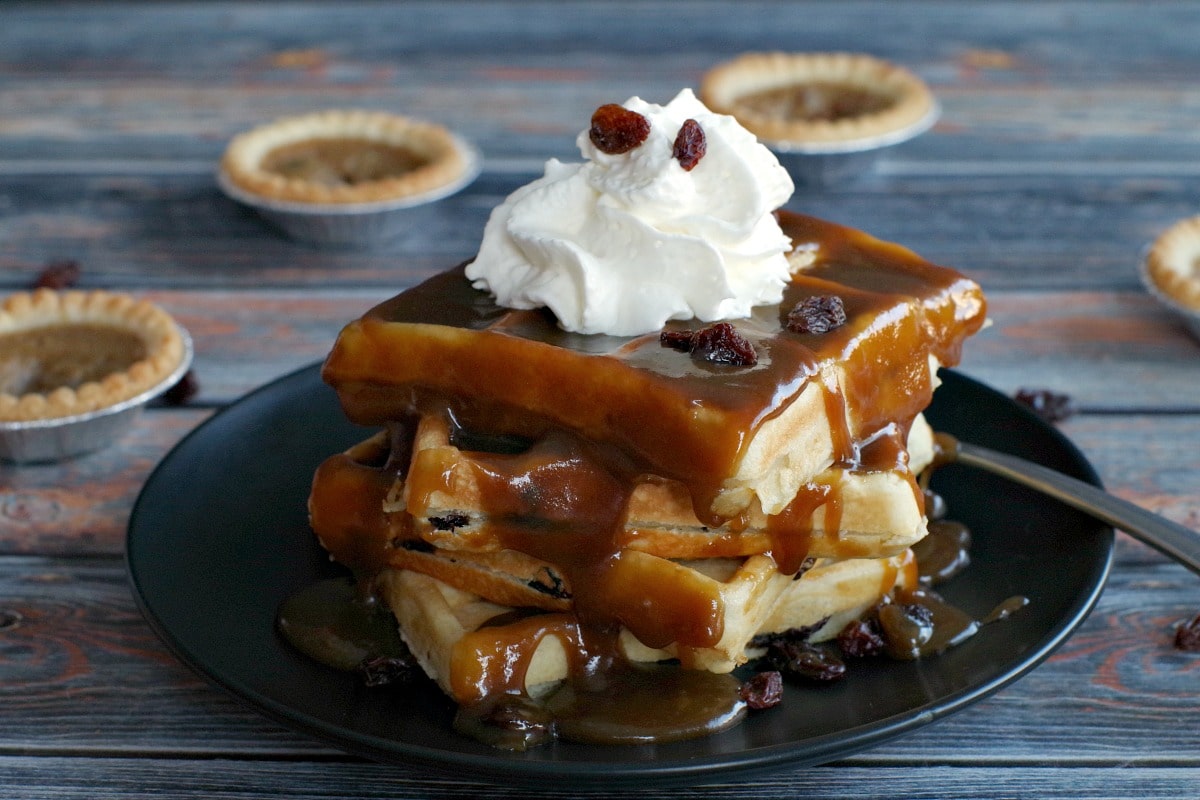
x=621, y=243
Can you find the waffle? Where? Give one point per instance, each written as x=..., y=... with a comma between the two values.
x=841, y=513
x=466, y=642
x=541, y=502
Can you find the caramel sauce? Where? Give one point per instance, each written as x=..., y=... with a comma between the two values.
x=338, y=624
x=944, y=552
x=640, y=704
x=445, y=348
x=41, y=360
x=341, y=161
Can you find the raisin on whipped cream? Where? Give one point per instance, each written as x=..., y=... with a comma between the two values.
x=690, y=145
x=615, y=129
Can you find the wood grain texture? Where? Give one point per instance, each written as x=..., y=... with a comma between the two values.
x=1032, y=232
x=75, y=652
x=62, y=779
x=82, y=507
x=1067, y=143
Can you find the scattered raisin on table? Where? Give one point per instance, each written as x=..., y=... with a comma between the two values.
x=1050, y=406
x=764, y=690
x=690, y=145
x=818, y=314
x=1187, y=635
x=615, y=129
x=184, y=389
x=58, y=275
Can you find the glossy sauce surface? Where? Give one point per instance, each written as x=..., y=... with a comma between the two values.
x=637, y=408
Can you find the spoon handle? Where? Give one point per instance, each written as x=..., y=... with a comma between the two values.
x=1160, y=533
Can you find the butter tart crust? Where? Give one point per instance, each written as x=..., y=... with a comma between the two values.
x=398, y=157
x=104, y=347
x=1173, y=263
x=818, y=97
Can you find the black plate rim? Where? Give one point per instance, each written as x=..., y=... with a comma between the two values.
x=497, y=767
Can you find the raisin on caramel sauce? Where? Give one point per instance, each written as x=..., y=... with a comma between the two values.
x=577, y=470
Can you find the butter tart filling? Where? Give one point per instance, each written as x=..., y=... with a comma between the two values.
x=344, y=157
x=819, y=97
x=69, y=353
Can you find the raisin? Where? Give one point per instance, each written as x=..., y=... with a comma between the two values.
x=818, y=314
x=921, y=614
x=184, y=389
x=413, y=545
x=677, y=340
x=801, y=634
x=805, y=566
x=1187, y=635
x=450, y=522
x=805, y=660
x=722, y=344
x=615, y=129
x=58, y=275
x=860, y=639
x=1050, y=406
x=764, y=690
x=377, y=671
x=690, y=145
x=549, y=583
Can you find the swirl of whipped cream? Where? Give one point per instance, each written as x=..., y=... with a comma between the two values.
x=622, y=243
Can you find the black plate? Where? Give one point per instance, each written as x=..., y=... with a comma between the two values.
x=219, y=537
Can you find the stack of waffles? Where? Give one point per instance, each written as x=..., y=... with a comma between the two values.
x=537, y=502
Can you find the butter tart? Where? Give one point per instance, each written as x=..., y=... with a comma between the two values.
x=345, y=157
x=1172, y=266
x=65, y=354
x=820, y=102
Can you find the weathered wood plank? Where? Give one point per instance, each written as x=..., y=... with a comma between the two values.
x=1028, y=89
x=86, y=778
x=1029, y=232
x=82, y=506
x=78, y=651
x=1065, y=34
x=1125, y=352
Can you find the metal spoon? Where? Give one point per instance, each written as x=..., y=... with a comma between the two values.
x=1174, y=540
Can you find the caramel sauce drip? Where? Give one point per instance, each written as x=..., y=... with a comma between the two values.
x=446, y=348
x=495, y=659
x=346, y=508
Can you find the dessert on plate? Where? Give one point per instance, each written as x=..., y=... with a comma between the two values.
x=655, y=421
